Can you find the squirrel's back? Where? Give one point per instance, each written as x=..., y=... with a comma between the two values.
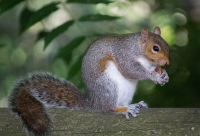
x=95, y=64
x=31, y=93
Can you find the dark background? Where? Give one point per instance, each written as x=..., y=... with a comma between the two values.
x=27, y=26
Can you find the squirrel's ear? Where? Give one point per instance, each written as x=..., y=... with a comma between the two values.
x=144, y=35
x=157, y=31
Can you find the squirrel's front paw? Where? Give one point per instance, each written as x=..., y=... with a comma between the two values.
x=161, y=78
x=133, y=109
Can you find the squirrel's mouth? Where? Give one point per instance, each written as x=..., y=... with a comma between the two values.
x=161, y=62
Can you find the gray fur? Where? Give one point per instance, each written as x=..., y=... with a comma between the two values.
x=125, y=49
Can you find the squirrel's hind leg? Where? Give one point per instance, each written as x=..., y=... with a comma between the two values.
x=132, y=109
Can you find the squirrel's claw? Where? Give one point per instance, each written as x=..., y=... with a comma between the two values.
x=133, y=109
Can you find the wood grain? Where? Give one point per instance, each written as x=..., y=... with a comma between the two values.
x=152, y=122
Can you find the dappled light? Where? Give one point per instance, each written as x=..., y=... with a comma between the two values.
x=179, y=18
x=181, y=38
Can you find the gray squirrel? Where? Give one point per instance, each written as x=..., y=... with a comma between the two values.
x=111, y=68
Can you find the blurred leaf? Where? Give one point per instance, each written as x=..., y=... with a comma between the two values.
x=2, y=45
x=69, y=47
x=75, y=68
x=89, y=1
x=99, y=34
x=97, y=17
x=8, y=4
x=42, y=34
x=80, y=85
x=55, y=32
x=67, y=58
x=38, y=16
x=24, y=17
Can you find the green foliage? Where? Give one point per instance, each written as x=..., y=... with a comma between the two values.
x=97, y=17
x=89, y=1
x=75, y=67
x=29, y=18
x=70, y=47
x=25, y=16
x=55, y=32
x=6, y=5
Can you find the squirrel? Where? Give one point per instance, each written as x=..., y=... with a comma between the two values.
x=111, y=68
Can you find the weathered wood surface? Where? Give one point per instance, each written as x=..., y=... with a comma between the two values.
x=155, y=122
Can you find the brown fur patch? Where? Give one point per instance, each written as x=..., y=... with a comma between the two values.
x=32, y=113
x=160, y=58
x=119, y=109
x=59, y=93
x=103, y=62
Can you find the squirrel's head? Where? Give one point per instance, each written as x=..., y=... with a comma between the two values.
x=154, y=47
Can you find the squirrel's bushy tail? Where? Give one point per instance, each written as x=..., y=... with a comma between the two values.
x=30, y=112
x=31, y=94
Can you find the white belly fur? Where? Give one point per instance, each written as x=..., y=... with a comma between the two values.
x=125, y=87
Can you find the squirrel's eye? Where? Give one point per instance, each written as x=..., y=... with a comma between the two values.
x=156, y=48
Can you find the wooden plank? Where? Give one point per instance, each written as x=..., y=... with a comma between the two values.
x=155, y=122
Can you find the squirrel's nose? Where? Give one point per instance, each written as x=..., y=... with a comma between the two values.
x=167, y=63
x=163, y=62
